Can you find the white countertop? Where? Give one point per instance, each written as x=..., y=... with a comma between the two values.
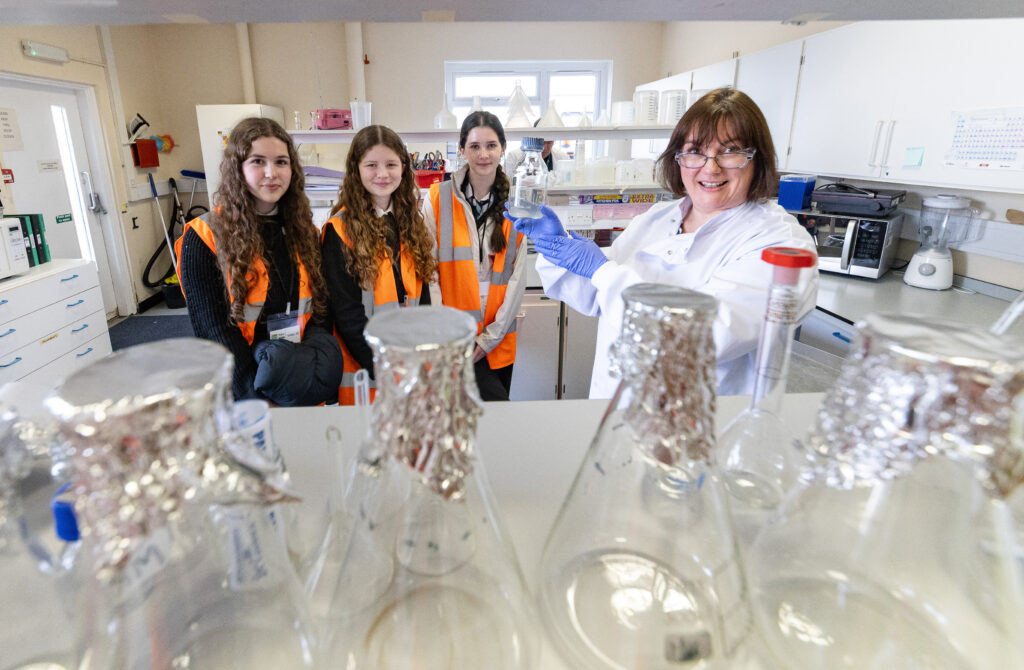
x=851, y=298
x=530, y=450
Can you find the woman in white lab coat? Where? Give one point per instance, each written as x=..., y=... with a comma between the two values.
x=720, y=163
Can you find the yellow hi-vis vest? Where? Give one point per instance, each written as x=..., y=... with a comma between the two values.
x=258, y=282
x=384, y=296
x=457, y=269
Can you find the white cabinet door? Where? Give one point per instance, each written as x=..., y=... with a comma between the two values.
x=845, y=100
x=535, y=375
x=714, y=76
x=770, y=77
x=955, y=71
x=578, y=357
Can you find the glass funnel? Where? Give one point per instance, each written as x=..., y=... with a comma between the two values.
x=755, y=451
x=640, y=569
x=897, y=548
x=417, y=570
x=189, y=571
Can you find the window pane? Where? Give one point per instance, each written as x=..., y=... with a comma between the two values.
x=493, y=86
x=574, y=94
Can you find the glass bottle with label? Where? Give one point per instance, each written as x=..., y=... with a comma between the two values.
x=897, y=548
x=529, y=181
x=755, y=452
x=189, y=571
x=418, y=571
x=641, y=569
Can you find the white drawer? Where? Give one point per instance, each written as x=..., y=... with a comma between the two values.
x=76, y=359
x=28, y=293
x=823, y=331
x=34, y=325
x=53, y=345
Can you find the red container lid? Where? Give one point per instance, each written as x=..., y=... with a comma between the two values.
x=789, y=257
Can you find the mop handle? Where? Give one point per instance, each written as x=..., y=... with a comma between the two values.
x=163, y=223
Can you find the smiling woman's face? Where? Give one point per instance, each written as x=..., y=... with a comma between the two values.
x=268, y=172
x=713, y=189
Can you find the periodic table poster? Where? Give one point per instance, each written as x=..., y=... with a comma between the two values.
x=990, y=139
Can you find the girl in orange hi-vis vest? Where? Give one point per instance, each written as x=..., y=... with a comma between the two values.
x=250, y=270
x=481, y=258
x=377, y=251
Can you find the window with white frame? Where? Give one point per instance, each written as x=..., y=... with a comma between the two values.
x=575, y=86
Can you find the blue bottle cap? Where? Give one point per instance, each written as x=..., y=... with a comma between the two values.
x=64, y=519
x=532, y=144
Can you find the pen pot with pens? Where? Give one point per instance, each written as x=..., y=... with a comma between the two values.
x=418, y=570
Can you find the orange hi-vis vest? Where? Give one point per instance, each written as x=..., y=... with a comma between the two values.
x=258, y=281
x=384, y=296
x=457, y=269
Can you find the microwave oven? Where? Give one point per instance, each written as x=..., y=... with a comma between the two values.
x=853, y=245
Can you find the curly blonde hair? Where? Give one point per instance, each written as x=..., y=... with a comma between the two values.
x=365, y=229
x=236, y=220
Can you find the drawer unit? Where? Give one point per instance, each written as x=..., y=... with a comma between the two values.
x=48, y=314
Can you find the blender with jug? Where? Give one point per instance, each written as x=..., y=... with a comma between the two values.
x=945, y=220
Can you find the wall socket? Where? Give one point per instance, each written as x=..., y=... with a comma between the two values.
x=576, y=216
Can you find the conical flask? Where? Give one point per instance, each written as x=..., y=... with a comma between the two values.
x=421, y=573
x=640, y=570
x=755, y=452
x=36, y=595
x=188, y=570
x=897, y=548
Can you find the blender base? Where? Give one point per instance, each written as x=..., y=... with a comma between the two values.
x=930, y=269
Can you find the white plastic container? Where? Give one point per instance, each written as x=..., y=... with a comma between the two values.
x=672, y=107
x=645, y=108
x=622, y=113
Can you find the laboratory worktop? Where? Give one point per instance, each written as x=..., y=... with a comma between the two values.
x=852, y=298
x=530, y=451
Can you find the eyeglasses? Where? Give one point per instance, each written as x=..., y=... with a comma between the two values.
x=729, y=159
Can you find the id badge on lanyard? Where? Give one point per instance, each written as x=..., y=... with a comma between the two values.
x=285, y=326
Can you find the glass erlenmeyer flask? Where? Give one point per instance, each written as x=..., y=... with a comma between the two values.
x=755, y=452
x=423, y=574
x=640, y=570
x=36, y=594
x=897, y=548
x=189, y=572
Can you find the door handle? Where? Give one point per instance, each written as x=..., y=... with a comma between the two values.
x=95, y=206
x=8, y=332
x=7, y=365
x=75, y=304
x=78, y=330
x=84, y=353
x=874, y=144
x=69, y=278
x=848, y=241
x=888, y=144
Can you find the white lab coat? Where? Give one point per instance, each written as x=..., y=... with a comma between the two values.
x=722, y=259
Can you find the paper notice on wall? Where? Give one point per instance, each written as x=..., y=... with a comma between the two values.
x=10, y=133
x=991, y=139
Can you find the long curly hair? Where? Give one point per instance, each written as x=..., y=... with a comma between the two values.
x=365, y=229
x=494, y=212
x=236, y=220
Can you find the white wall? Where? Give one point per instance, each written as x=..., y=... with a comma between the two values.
x=689, y=45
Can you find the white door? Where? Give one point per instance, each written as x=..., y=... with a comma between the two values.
x=770, y=77
x=46, y=151
x=845, y=100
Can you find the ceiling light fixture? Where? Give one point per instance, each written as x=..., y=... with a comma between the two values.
x=44, y=51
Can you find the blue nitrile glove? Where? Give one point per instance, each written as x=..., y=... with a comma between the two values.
x=576, y=254
x=547, y=224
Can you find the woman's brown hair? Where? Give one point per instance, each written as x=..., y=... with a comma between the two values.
x=365, y=229
x=494, y=211
x=723, y=114
x=236, y=220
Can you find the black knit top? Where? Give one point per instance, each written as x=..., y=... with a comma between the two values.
x=346, y=296
x=209, y=306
